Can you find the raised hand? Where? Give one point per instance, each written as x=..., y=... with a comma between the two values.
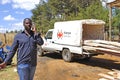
x=33, y=28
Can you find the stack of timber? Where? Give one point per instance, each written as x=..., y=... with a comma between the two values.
x=112, y=75
x=102, y=46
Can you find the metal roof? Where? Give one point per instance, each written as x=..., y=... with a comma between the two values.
x=115, y=3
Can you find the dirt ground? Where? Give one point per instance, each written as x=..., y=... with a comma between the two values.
x=53, y=67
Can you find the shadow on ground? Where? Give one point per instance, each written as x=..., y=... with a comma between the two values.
x=94, y=61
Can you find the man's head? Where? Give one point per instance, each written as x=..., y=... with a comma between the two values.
x=27, y=23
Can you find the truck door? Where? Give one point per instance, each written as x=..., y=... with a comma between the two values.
x=48, y=41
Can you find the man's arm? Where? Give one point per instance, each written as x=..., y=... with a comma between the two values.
x=39, y=39
x=37, y=36
x=12, y=51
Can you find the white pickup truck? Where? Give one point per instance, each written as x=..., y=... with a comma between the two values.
x=68, y=38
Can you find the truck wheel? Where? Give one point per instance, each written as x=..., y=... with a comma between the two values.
x=40, y=51
x=67, y=55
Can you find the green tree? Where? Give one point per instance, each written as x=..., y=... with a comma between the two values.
x=47, y=13
x=116, y=22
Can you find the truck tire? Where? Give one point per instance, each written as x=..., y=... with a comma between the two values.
x=67, y=55
x=40, y=51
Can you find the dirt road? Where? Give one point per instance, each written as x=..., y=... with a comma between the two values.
x=52, y=67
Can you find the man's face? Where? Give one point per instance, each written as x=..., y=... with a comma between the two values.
x=27, y=24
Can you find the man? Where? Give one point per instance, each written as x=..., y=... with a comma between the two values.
x=25, y=43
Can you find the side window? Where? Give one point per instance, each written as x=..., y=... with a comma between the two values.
x=49, y=35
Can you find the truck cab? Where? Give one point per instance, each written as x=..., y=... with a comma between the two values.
x=48, y=41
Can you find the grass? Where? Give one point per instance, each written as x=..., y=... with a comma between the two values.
x=8, y=73
x=9, y=38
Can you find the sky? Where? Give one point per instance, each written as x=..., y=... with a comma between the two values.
x=12, y=13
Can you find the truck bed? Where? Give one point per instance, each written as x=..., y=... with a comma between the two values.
x=102, y=46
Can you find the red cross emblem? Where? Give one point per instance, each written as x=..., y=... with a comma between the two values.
x=60, y=34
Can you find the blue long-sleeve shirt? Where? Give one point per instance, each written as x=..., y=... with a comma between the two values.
x=26, y=47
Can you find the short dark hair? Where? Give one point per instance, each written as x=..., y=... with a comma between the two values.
x=27, y=19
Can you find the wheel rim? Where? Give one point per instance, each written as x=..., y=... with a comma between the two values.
x=66, y=55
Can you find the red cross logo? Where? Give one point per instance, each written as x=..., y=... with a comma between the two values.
x=60, y=34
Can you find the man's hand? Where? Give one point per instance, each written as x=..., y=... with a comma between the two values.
x=34, y=28
x=2, y=65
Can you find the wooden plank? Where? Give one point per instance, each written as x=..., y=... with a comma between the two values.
x=117, y=73
x=103, y=42
x=106, y=76
x=112, y=75
x=102, y=50
x=103, y=79
x=89, y=48
x=109, y=52
x=116, y=70
x=102, y=46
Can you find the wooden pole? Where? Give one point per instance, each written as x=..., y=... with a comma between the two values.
x=5, y=38
x=110, y=21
